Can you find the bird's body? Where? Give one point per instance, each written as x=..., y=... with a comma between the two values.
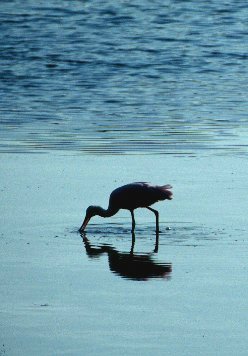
x=137, y=195
x=130, y=197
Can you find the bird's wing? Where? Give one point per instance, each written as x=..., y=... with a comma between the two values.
x=166, y=186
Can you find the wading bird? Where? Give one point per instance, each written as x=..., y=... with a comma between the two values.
x=130, y=197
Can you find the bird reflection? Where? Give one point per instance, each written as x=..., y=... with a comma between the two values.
x=129, y=265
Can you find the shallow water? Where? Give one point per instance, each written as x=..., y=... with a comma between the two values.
x=128, y=78
x=67, y=294
x=61, y=296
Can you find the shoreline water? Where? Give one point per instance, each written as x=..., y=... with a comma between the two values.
x=59, y=298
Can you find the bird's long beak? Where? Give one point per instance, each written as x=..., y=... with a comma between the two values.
x=86, y=220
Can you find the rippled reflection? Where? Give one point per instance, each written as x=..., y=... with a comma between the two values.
x=130, y=265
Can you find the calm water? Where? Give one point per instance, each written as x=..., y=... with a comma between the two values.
x=104, y=294
x=100, y=77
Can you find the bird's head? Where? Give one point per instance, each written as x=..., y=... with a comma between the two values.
x=91, y=211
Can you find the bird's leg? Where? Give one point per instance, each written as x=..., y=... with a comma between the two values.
x=133, y=221
x=157, y=242
x=133, y=243
x=157, y=217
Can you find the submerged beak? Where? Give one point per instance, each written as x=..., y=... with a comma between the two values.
x=86, y=220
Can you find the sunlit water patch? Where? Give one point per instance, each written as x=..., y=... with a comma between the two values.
x=124, y=78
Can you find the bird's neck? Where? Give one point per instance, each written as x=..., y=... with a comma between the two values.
x=106, y=213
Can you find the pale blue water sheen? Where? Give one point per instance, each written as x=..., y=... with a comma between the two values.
x=62, y=295
x=126, y=77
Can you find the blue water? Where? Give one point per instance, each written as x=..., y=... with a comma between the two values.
x=105, y=77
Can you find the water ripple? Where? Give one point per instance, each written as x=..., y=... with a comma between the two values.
x=140, y=78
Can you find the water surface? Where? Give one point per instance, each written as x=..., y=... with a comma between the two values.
x=117, y=92
x=124, y=78
x=61, y=294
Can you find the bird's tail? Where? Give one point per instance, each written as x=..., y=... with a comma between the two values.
x=165, y=192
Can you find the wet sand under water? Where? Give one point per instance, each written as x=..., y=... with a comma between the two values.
x=63, y=294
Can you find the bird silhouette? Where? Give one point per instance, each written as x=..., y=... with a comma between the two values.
x=130, y=197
